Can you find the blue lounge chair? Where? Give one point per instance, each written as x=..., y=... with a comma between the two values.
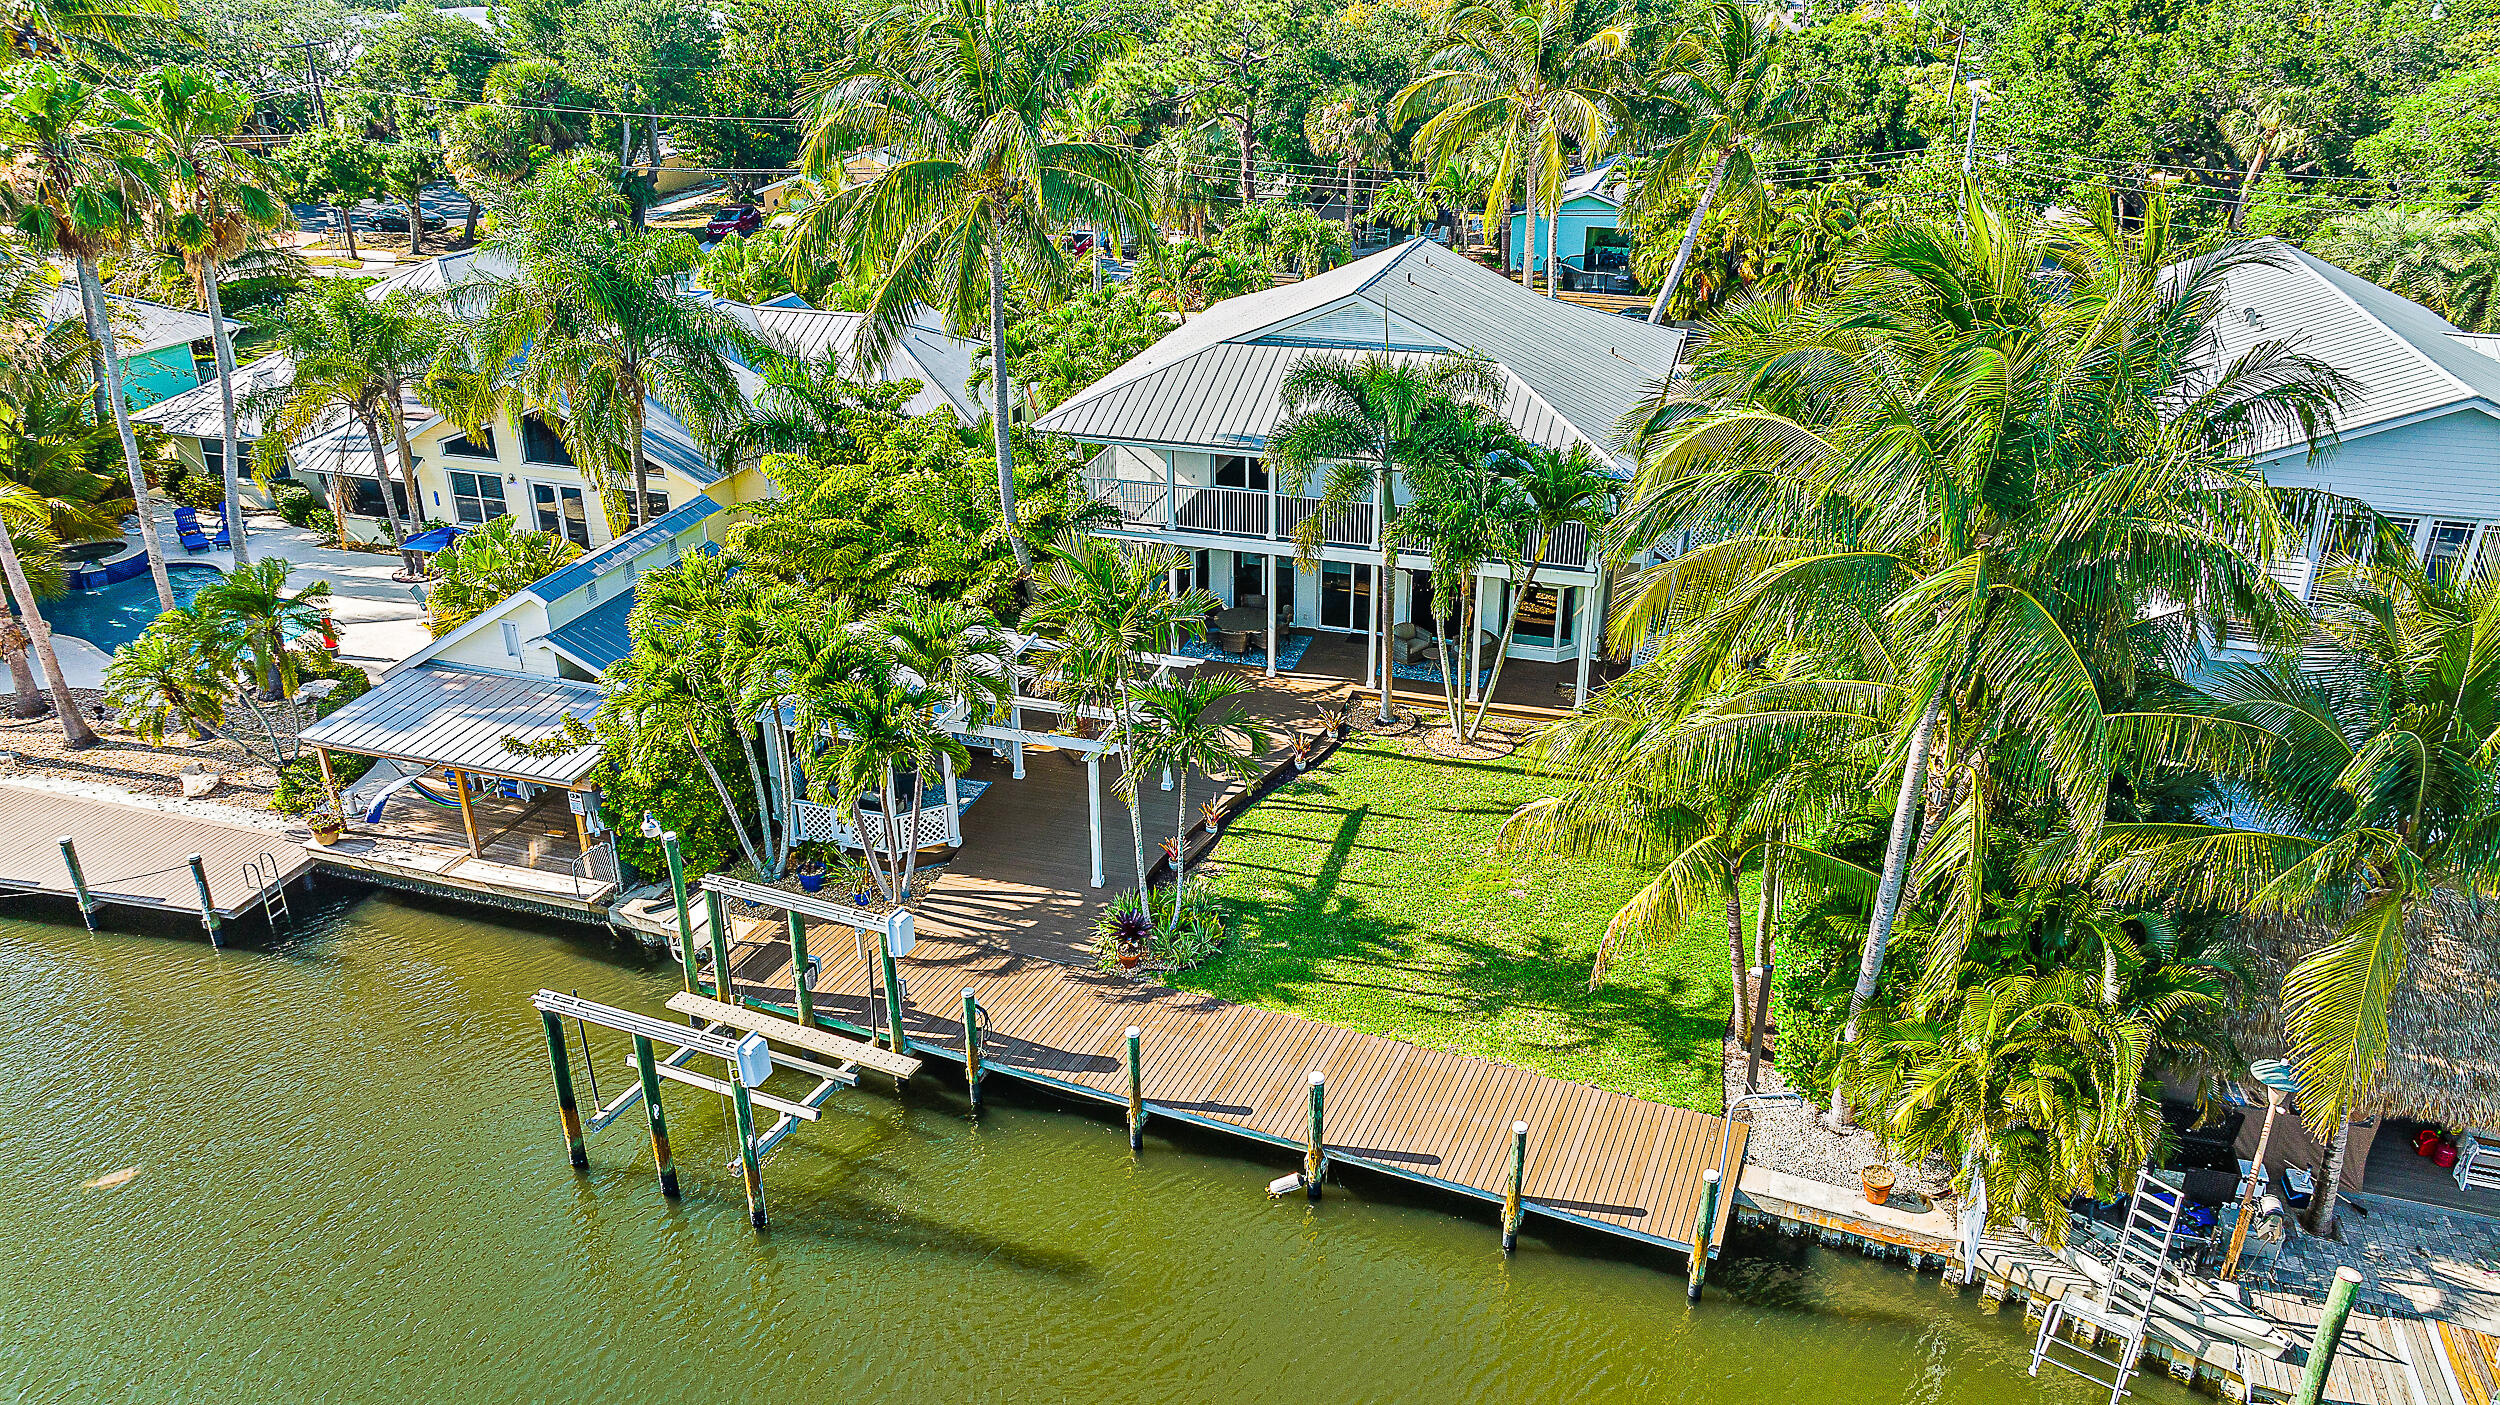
x=220, y=538
x=187, y=526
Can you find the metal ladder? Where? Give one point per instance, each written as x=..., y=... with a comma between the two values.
x=266, y=875
x=2124, y=1307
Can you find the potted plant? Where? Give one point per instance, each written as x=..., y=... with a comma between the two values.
x=1303, y=747
x=1877, y=1179
x=811, y=876
x=1212, y=811
x=1129, y=937
x=326, y=824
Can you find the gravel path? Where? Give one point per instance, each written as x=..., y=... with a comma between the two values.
x=1790, y=1137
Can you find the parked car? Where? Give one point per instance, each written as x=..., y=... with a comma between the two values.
x=734, y=219
x=395, y=219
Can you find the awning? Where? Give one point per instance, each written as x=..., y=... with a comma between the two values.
x=459, y=718
x=434, y=539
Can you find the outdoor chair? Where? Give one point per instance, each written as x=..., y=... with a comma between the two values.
x=187, y=526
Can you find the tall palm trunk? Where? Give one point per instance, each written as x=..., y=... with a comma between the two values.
x=348, y=226
x=1888, y=891
x=1383, y=596
x=233, y=441
x=73, y=722
x=100, y=328
x=1766, y=918
x=1527, y=240
x=25, y=682
x=407, y=462
x=1553, y=250
x=1180, y=844
x=338, y=508
x=1510, y=628
x=381, y=476
x=1136, y=797
x=1692, y=236
x=2320, y=1219
x=1738, y=1014
x=2248, y=184
x=999, y=401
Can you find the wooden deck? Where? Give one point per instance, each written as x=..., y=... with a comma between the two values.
x=527, y=852
x=134, y=855
x=1595, y=1158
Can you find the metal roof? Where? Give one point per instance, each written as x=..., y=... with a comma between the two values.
x=200, y=413
x=925, y=352
x=580, y=572
x=139, y=325
x=1211, y=384
x=441, y=716
x=597, y=637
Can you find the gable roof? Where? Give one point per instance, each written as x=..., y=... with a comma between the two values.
x=200, y=412
x=1212, y=384
x=597, y=637
x=2406, y=361
x=139, y=325
x=925, y=352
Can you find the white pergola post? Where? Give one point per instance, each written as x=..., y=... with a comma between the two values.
x=954, y=812
x=1588, y=630
x=1267, y=588
x=1015, y=721
x=1093, y=811
x=1171, y=492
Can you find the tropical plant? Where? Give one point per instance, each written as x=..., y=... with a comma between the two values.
x=1560, y=489
x=1357, y=422
x=961, y=95
x=353, y=358
x=1405, y=203
x=337, y=169
x=487, y=565
x=1187, y=276
x=80, y=191
x=2260, y=132
x=253, y=601
x=178, y=675
x=1738, y=109
x=55, y=29
x=1462, y=511
x=876, y=724
x=215, y=197
x=1534, y=77
x=1190, y=723
x=1266, y=239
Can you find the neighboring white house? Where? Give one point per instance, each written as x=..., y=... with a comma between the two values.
x=1184, y=427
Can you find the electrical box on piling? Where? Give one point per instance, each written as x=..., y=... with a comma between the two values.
x=755, y=1060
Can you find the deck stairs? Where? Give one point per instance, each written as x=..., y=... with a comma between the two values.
x=2121, y=1313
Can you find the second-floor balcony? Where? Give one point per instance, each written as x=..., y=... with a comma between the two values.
x=1258, y=514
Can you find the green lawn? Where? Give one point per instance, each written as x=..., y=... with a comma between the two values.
x=1368, y=894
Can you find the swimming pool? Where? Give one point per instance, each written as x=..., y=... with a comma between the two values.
x=111, y=616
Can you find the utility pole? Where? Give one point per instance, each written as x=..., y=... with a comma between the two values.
x=312, y=75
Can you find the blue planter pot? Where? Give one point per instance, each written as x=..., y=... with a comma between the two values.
x=811, y=882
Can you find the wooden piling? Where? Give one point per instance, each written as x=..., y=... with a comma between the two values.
x=570, y=1111
x=685, y=918
x=648, y=1067
x=78, y=882
x=972, y=1049
x=208, y=906
x=1314, y=1157
x=1136, y=1090
x=1705, y=1226
x=803, y=999
x=747, y=1159
x=2330, y=1333
x=893, y=1002
x=715, y=912
x=1514, y=1199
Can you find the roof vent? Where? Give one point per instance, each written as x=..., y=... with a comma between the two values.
x=2255, y=318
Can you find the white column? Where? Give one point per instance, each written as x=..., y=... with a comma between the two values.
x=1588, y=630
x=1015, y=720
x=1093, y=810
x=1268, y=589
x=954, y=814
x=1171, y=492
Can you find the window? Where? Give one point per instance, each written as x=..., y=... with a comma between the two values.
x=476, y=498
x=558, y=508
x=2446, y=548
x=1240, y=471
x=364, y=498
x=539, y=444
x=1345, y=596
x=1549, y=617
x=478, y=446
x=213, y=456
x=654, y=504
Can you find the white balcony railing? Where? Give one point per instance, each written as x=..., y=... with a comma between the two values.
x=1229, y=512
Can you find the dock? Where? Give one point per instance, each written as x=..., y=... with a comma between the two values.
x=136, y=857
x=1599, y=1160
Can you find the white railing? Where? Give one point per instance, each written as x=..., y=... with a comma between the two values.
x=1223, y=512
x=1228, y=512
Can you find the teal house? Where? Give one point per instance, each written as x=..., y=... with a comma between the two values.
x=164, y=349
x=1596, y=252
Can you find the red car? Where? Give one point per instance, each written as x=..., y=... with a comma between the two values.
x=734, y=219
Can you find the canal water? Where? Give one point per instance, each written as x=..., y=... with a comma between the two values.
x=327, y=1167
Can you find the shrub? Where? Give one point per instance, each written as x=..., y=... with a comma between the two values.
x=1820, y=942
x=321, y=522
x=1188, y=942
x=297, y=504
x=299, y=790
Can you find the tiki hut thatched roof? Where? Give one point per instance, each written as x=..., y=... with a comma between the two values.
x=2443, y=1052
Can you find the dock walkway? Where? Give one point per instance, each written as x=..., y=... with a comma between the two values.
x=134, y=856
x=1597, y=1159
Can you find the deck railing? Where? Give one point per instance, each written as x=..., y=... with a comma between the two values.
x=1228, y=512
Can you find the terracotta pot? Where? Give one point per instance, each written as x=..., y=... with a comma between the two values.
x=1878, y=1183
x=1128, y=961
x=327, y=835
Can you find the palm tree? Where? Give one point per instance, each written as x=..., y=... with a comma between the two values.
x=2261, y=132
x=352, y=358
x=1462, y=512
x=1188, y=723
x=1738, y=108
x=1561, y=488
x=213, y=200
x=2370, y=794
x=1358, y=422
x=962, y=95
x=23, y=513
x=1104, y=605
x=253, y=601
x=485, y=566
x=55, y=472
x=49, y=28
x=1532, y=77
x=176, y=676
x=876, y=724
x=1953, y=451
x=595, y=325
x=1189, y=276
x=80, y=191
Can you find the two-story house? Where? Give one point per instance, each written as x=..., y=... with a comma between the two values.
x=1183, y=429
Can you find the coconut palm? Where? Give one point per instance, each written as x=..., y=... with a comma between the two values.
x=176, y=676
x=1187, y=723
x=2260, y=132
x=1559, y=488
x=55, y=470
x=81, y=190
x=213, y=199
x=486, y=565
x=1535, y=78
x=353, y=359
x=595, y=325
x=962, y=95
x=1738, y=108
x=1462, y=512
x=1356, y=422
x=254, y=602
x=24, y=514
x=53, y=29
x=1953, y=447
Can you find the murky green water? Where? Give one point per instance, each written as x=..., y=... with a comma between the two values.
x=351, y=1186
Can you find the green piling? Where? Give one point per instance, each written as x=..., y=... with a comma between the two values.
x=1514, y=1199
x=972, y=1049
x=1136, y=1090
x=208, y=906
x=893, y=1000
x=565, y=1106
x=2330, y=1333
x=1705, y=1227
x=747, y=1159
x=718, y=915
x=685, y=917
x=1314, y=1156
x=803, y=999
x=78, y=882
x=649, y=1068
